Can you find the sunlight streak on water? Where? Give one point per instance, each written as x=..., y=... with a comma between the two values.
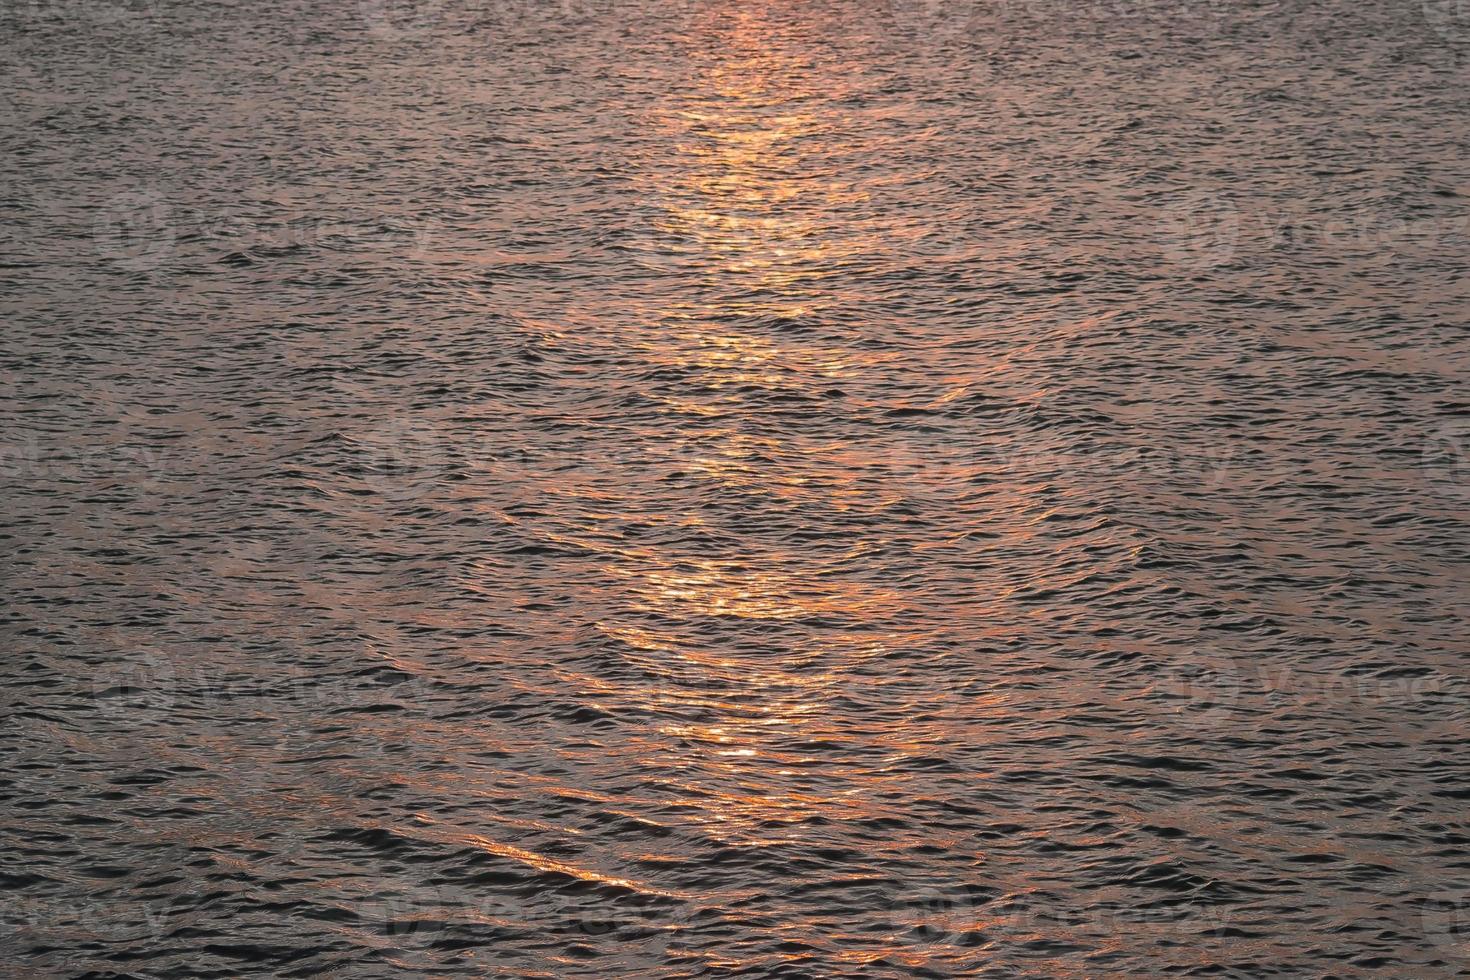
x=672, y=489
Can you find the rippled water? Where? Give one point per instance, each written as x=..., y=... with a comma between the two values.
x=673, y=488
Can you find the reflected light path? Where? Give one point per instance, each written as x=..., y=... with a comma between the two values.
x=683, y=489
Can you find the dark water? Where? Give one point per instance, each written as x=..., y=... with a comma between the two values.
x=799, y=488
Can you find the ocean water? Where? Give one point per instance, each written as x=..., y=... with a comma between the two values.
x=762, y=488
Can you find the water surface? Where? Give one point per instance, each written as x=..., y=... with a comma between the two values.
x=771, y=488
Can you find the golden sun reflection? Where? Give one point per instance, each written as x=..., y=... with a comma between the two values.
x=743, y=238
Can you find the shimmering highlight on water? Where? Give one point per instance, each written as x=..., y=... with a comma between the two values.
x=782, y=488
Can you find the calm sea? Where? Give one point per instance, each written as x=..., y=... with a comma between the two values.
x=763, y=488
